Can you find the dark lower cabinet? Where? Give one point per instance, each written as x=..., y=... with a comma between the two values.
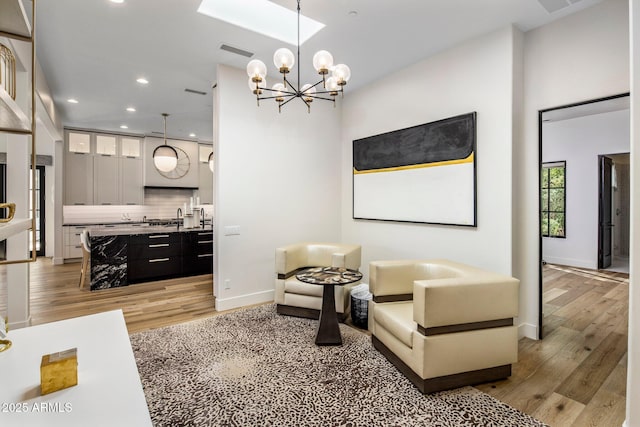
x=197, y=252
x=143, y=270
x=160, y=256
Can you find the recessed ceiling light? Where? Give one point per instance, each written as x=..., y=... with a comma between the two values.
x=72, y=101
x=143, y=81
x=131, y=109
x=124, y=127
x=353, y=13
x=264, y=17
x=117, y=1
x=192, y=135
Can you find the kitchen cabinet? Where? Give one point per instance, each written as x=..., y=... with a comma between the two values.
x=106, y=183
x=102, y=169
x=197, y=249
x=71, y=241
x=154, y=256
x=78, y=179
x=131, y=185
x=205, y=176
x=125, y=254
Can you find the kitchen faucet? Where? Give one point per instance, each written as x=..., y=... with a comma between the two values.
x=178, y=215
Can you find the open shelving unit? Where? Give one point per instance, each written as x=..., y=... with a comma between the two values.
x=15, y=26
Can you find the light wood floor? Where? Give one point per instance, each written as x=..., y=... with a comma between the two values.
x=55, y=295
x=575, y=376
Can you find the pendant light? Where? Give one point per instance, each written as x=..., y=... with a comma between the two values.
x=165, y=157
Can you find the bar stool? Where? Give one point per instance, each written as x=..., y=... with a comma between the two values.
x=86, y=256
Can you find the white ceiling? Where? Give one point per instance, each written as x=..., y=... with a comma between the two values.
x=93, y=50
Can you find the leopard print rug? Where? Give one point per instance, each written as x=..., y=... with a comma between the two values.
x=254, y=367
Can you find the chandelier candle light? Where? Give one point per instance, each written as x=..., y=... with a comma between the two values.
x=286, y=91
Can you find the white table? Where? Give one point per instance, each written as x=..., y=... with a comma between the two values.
x=109, y=391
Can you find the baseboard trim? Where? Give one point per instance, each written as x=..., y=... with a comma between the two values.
x=571, y=262
x=528, y=330
x=57, y=260
x=223, y=304
x=446, y=382
x=19, y=325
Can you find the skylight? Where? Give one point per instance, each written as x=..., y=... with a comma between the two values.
x=263, y=17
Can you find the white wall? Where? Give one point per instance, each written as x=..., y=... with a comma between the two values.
x=633, y=364
x=476, y=76
x=581, y=57
x=579, y=141
x=277, y=177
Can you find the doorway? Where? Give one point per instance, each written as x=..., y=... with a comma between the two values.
x=574, y=145
x=38, y=187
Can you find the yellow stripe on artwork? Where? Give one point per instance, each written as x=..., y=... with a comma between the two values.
x=468, y=159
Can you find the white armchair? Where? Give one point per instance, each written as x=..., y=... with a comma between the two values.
x=295, y=298
x=443, y=324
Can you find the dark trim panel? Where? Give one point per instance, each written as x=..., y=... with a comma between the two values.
x=463, y=327
x=291, y=273
x=393, y=298
x=169, y=187
x=447, y=382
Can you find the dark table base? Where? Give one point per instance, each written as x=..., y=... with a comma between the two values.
x=328, y=327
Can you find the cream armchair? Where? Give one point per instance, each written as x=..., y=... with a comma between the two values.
x=295, y=298
x=443, y=324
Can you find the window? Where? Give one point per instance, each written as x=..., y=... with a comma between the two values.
x=553, y=199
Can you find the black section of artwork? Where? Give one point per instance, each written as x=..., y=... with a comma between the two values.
x=449, y=139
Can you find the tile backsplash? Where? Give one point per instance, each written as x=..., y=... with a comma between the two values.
x=158, y=203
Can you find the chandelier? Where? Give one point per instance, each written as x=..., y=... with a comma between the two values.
x=286, y=91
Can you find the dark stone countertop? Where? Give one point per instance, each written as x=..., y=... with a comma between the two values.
x=97, y=231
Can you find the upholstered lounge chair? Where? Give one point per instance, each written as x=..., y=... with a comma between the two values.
x=443, y=324
x=295, y=298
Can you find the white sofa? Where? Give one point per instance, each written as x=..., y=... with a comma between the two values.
x=443, y=324
x=295, y=298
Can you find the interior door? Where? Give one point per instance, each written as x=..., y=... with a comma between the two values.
x=604, y=213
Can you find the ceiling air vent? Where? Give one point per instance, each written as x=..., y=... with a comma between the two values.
x=197, y=92
x=236, y=50
x=554, y=5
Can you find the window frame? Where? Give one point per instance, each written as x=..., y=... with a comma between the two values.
x=546, y=166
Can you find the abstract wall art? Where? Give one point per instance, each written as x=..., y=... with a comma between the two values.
x=424, y=174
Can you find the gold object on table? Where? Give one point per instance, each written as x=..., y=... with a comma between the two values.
x=59, y=371
x=4, y=345
x=11, y=208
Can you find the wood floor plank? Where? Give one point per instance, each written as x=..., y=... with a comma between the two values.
x=569, y=296
x=586, y=380
x=558, y=410
x=606, y=409
x=552, y=293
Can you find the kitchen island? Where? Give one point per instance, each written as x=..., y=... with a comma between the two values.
x=123, y=256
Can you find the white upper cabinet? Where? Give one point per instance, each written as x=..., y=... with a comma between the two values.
x=106, y=145
x=79, y=142
x=103, y=169
x=205, y=151
x=130, y=147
